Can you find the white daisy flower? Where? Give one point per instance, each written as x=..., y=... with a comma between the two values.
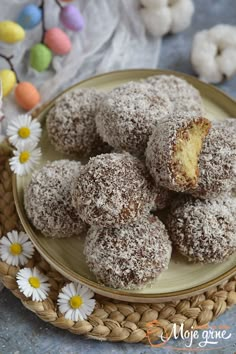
x=16, y=249
x=23, y=130
x=75, y=301
x=33, y=284
x=25, y=158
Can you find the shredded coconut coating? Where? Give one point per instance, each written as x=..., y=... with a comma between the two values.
x=161, y=149
x=113, y=189
x=129, y=113
x=203, y=230
x=184, y=97
x=217, y=163
x=228, y=123
x=129, y=256
x=47, y=200
x=71, y=122
x=163, y=198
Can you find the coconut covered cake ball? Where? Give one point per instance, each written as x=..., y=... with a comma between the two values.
x=173, y=151
x=71, y=122
x=164, y=198
x=47, y=200
x=217, y=162
x=113, y=189
x=229, y=123
x=129, y=113
x=184, y=97
x=129, y=256
x=203, y=230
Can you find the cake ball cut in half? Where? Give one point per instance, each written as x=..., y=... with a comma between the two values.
x=217, y=162
x=203, y=230
x=173, y=151
x=129, y=113
x=48, y=201
x=71, y=123
x=184, y=97
x=129, y=256
x=113, y=189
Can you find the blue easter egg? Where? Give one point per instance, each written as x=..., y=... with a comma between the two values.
x=29, y=17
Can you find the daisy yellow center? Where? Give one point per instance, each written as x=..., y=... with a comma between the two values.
x=34, y=282
x=24, y=156
x=24, y=132
x=76, y=301
x=16, y=249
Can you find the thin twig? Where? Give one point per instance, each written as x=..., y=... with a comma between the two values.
x=2, y=118
x=43, y=20
x=59, y=4
x=8, y=59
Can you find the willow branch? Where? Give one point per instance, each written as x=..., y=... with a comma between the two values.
x=59, y=4
x=42, y=7
x=9, y=61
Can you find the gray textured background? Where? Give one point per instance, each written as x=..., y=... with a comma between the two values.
x=20, y=330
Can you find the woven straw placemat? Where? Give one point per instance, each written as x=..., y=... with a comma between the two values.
x=111, y=320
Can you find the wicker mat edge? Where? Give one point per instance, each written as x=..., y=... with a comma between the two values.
x=111, y=320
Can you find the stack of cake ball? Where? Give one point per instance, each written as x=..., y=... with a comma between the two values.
x=148, y=146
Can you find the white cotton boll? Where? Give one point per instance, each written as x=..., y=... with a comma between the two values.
x=227, y=62
x=161, y=16
x=214, y=53
x=157, y=4
x=181, y=12
x=203, y=58
x=223, y=35
x=206, y=67
x=157, y=22
x=210, y=71
x=202, y=47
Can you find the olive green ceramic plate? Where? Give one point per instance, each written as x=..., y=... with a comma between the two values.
x=182, y=279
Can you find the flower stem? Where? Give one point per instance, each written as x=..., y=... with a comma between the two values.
x=9, y=60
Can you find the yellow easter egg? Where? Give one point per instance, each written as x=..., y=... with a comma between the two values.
x=8, y=78
x=11, y=32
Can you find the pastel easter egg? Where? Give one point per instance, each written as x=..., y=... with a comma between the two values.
x=40, y=57
x=8, y=78
x=30, y=16
x=72, y=18
x=26, y=95
x=57, y=41
x=11, y=32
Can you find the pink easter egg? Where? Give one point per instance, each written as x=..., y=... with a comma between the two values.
x=57, y=41
x=72, y=18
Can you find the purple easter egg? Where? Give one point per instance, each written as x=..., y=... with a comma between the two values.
x=72, y=18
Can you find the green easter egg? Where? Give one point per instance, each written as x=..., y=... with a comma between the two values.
x=40, y=57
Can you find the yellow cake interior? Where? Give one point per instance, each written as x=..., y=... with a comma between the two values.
x=187, y=150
